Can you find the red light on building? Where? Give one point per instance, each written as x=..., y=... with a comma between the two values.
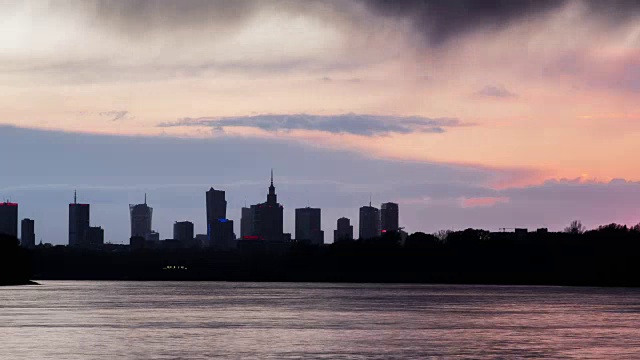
x=9, y=204
x=252, y=237
x=384, y=231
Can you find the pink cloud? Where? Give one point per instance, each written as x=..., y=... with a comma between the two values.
x=483, y=201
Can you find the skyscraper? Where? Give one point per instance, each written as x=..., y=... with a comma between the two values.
x=27, y=233
x=308, y=226
x=78, y=223
x=183, y=231
x=9, y=219
x=141, y=219
x=344, y=230
x=389, y=217
x=369, y=222
x=268, y=217
x=222, y=234
x=216, y=209
x=246, y=222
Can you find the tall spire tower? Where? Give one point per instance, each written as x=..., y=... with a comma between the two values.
x=272, y=198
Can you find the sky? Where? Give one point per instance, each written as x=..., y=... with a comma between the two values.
x=484, y=114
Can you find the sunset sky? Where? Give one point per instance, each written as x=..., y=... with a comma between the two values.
x=467, y=113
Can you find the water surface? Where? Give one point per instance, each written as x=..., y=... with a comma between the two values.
x=202, y=320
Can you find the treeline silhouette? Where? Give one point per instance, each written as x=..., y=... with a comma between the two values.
x=606, y=256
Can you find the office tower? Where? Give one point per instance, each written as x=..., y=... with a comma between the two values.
x=9, y=219
x=95, y=236
x=183, y=231
x=27, y=233
x=222, y=236
x=141, y=218
x=344, y=230
x=246, y=222
x=389, y=217
x=308, y=226
x=369, y=222
x=268, y=217
x=216, y=209
x=78, y=223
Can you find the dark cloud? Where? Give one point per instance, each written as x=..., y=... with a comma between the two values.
x=442, y=20
x=115, y=115
x=497, y=91
x=356, y=124
x=139, y=17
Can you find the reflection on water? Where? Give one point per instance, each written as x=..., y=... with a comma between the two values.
x=80, y=320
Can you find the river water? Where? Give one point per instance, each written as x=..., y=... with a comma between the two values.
x=203, y=320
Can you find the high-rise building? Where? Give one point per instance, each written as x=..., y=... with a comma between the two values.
x=268, y=217
x=222, y=236
x=78, y=223
x=95, y=236
x=369, y=222
x=183, y=231
x=216, y=209
x=389, y=217
x=27, y=233
x=344, y=230
x=9, y=219
x=308, y=226
x=141, y=219
x=246, y=222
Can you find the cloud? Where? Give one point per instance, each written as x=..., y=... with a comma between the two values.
x=483, y=201
x=497, y=91
x=440, y=21
x=115, y=115
x=355, y=124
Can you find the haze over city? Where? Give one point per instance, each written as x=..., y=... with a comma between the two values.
x=519, y=115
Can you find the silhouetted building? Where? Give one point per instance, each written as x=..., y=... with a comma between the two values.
x=389, y=217
x=78, y=223
x=141, y=218
x=27, y=233
x=153, y=236
x=369, y=222
x=268, y=217
x=246, y=222
x=222, y=236
x=308, y=226
x=9, y=219
x=216, y=209
x=96, y=236
x=202, y=240
x=137, y=242
x=183, y=231
x=344, y=231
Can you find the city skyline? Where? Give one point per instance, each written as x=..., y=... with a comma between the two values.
x=265, y=222
x=482, y=114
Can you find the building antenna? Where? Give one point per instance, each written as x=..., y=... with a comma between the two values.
x=370, y=195
x=75, y=197
x=145, y=198
x=271, y=176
